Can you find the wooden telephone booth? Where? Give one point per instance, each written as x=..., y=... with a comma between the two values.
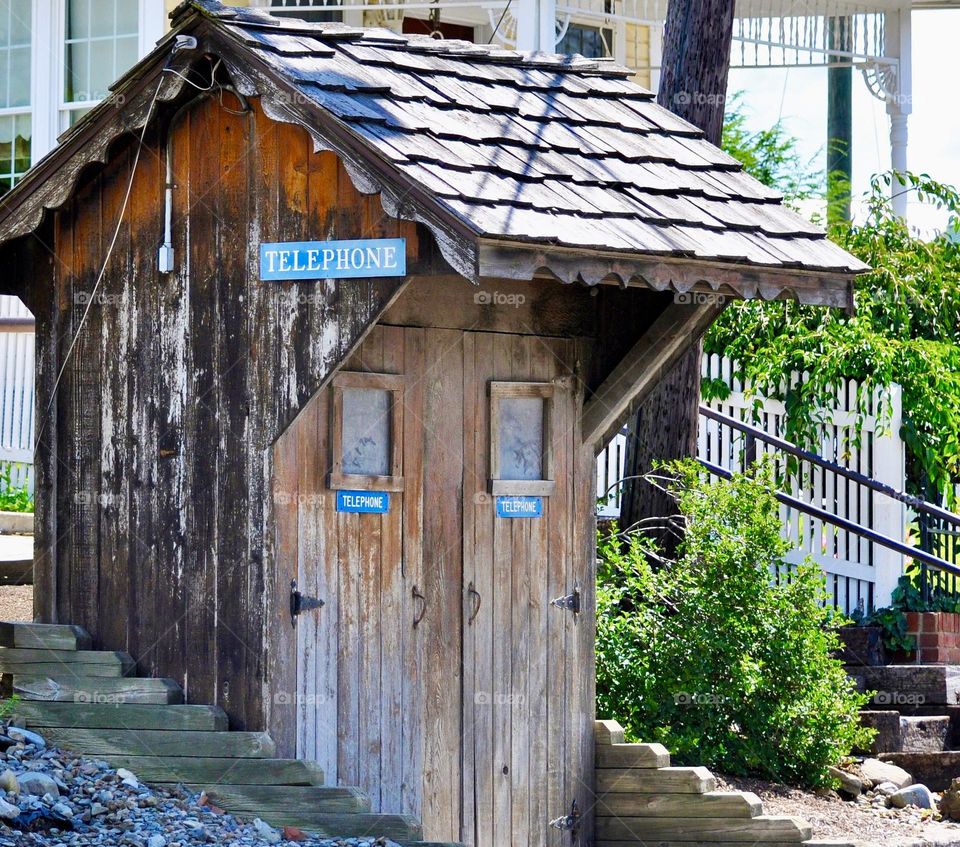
x=330, y=325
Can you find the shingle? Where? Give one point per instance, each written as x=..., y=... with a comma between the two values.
x=536, y=147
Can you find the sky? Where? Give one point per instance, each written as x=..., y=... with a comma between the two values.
x=798, y=95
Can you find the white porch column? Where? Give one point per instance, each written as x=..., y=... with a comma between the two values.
x=889, y=515
x=536, y=25
x=46, y=54
x=153, y=24
x=900, y=104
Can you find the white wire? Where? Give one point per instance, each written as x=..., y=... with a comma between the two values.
x=106, y=259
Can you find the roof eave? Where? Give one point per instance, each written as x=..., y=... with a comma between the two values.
x=516, y=260
x=50, y=183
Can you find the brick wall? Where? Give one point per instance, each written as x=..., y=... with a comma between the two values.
x=937, y=635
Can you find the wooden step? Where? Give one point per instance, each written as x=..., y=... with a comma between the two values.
x=61, y=669
x=765, y=829
x=677, y=780
x=278, y=802
x=86, y=662
x=154, y=742
x=219, y=771
x=71, y=689
x=43, y=635
x=431, y=844
x=38, y=714
x=713, y=804
x=395, y=827
x=16, y=571
x=632, y=756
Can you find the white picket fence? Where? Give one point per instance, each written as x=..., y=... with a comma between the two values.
x=17, y=394
x=859, y=573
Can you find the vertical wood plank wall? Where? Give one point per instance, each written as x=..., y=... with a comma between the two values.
x=478, y=727
x=155, y=456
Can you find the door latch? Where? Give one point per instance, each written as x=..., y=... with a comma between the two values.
x=301, y=602
x=569, y=602
x=569, y=823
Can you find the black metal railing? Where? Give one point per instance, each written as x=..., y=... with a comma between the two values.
x=936, y=556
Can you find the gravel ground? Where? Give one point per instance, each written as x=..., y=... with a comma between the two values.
x=51, y=797
x=834, y=818
x=16, y=602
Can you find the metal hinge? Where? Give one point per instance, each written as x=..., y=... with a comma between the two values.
x=569, y=823
x=300, y=602
x=570, y=602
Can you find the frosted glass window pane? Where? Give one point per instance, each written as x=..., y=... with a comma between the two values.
x=366, y=431
x=14, y=149
x=521, y=437
x=101, y=73
x=14, y=22
x=128, y=14
x=19, y=77
x=102, y=18
x=126, y=54
x=102, y=44
x=14, y=53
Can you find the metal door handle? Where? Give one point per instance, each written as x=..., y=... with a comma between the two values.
x=423, y=607
x=472, y=591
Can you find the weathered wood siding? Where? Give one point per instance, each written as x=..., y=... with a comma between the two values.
x=154, y=460
x=482, y=727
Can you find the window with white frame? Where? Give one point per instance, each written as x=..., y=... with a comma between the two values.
x=15, y=34
x=101, y=42
x=308, y=10
x=594, y=42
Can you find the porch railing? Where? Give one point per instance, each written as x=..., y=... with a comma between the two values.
x=17, y=390
x=813, y=521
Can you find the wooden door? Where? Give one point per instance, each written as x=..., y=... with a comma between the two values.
x=523, y=681
x=437, y=676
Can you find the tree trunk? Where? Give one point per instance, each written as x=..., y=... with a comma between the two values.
x=693, y=85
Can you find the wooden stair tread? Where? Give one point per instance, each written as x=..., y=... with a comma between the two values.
x=219, y=771
x=683, y=780
x=52, y=670
x=283, y=800
x=396, y=827
x=763, y=829
x=41, y=635
x=34, y=655
x=713, y=804
x=41, y=714
x=632, y=756
x=90, y=689
x=151, y=742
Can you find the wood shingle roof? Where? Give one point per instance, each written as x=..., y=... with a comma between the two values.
x=522, y=163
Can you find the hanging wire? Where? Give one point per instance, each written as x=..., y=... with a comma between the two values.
x=112, y=245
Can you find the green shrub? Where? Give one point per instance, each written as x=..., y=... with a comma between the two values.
x=709, y=655
x=13, y=498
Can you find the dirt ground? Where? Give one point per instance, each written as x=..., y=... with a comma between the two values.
x=834, y=818
x=16, y=602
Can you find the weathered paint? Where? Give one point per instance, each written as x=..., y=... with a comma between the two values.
x=155, y=452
